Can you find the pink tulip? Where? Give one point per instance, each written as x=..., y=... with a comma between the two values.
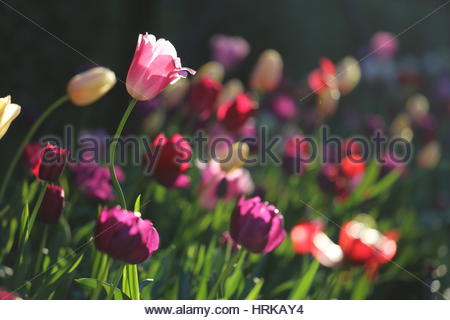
x=155, y=65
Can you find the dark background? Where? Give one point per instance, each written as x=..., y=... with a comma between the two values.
x=35, y=66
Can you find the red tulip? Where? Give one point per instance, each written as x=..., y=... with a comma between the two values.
x=51, y=163
x=302, y=235
x=203, y=96
x=6, y=295
x=363, y=245
x=323, y=78
x=171, y=162
x=234, y=114
x=31, y=154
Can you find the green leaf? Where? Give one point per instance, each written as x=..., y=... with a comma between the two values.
x=137, y=204
x=362, y=289
x=233, y=282
x=254, y=293
x=202, y=292
x=300, y=291
x=91, y=284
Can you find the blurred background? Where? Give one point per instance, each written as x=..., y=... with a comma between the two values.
x=35, y=66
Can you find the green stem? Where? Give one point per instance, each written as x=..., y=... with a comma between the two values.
x=116, y=282
x=40, y=254
x=30, y=134
x=105, y=264
x=112, y=153
x=225, y=272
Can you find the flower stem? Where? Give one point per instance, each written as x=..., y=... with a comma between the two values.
x=225, y=272
x=116, y=282
x=112, y=153
x=30, y=134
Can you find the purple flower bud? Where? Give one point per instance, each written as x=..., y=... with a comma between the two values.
x=52, y=205
x=229, y=51
x=257, y=225
x=125, y=236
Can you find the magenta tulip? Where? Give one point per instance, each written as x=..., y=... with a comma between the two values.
x=125, y=236
x=257, y=225
x=155, y=65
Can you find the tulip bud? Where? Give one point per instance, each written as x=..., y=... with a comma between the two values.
x=30, y=155
x=429, y=155
x=155, y=65
x=234, y=158
x=257, y=225
x=267, y=73
x=202, y=97
x=169, y=160
x=417, y=106
x=348, y=73
x=52, y=205
x=229, y=51
x=230, y=91
x=89, y=86
x=384, y=45
x=173, y=95
x=284, y=107
x=212, y=69
x=8, y=112
x=51, y=163
x=234, y=114
x=364, y=245
x=125, y=236
x=302, y=235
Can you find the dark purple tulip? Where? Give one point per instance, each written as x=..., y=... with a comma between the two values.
x=52, y=205
x=125, y=236
x=257, y=225
x=390, y=164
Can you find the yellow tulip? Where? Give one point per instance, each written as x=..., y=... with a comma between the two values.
x=8, y=112
x=267, y=73
x=89, y=86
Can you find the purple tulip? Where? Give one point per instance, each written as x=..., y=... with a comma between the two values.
x=52, y=205
x=95, y=180
x=389, y=164
x=229, y=51
x=257, y=225
x=125, y=236
x=284, y=107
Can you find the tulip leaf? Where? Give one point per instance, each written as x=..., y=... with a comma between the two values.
x=232, y=283
x=300, y=291
x=254, y=293
x=137, y=204
x=91, y=284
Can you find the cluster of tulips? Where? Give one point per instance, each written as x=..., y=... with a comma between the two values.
x=231, y=112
